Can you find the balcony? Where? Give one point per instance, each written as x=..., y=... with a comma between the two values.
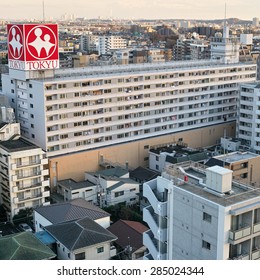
x=45, y=172
x=46, y=194
x=241, y=257
x=157, y=249
x=255, y=254
x=239, y=234
x=256, y=227
x=157, y=224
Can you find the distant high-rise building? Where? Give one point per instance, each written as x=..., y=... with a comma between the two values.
x=255, y=22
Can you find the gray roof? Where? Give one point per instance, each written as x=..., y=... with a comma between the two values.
x=71, y=211
x=24, y=246
x=111, y=172
x=121, y=182
x=79, y=234
x=17, y=145
x=73, y=185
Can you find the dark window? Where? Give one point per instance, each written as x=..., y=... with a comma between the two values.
x=100, y=250
x=206, y=245
x=80, y=256
x=206, y=217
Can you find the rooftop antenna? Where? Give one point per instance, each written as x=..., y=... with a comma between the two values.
x=43, y=12
x=225, y=28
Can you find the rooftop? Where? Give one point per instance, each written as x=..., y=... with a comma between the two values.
x=120, y=70
x=70, y=211
x=24, y=246
x=79, y=234
x=17, y=145
x=236, y=156
x=196, y=180
x=73, y=185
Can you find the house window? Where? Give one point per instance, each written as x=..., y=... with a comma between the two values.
x=100, y=250
x=206, y=245
x=80, y=256
x=206, y=217
x=117, y=194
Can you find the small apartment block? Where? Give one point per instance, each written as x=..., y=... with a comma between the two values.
x=201, y=213
x=24, y=176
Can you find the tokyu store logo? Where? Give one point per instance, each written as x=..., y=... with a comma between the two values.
x=41, y=42
x=33, y=47
x=15, y=37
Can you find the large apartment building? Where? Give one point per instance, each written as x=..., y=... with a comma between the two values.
x=116, y=112
x=200, y=213
x=91, y=108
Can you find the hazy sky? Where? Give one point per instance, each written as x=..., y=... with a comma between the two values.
x=133, y=9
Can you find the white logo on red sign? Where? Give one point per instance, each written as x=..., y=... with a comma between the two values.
x=15, y=38
x=41, y=42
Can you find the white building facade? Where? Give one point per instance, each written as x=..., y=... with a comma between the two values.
x=24, y=176
x=108, y=43
x=248, y=124
x=197, y=214
x=85, y=108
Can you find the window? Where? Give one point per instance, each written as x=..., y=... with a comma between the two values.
x=206, y=217
x=30, y=85
x=31, y=105
x=117, y=194
x=31, y=96
x=32, y=116
x=80, y=256
x=33, y=136
x=100, y=250
x=206, y=245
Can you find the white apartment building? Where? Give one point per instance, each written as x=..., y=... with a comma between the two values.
x=89, y=42
x=24, y=176
x=108, y=43
x=201, y=214
x=248, y=124
x=80, y=109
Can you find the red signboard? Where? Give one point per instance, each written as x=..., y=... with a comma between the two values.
x=33, y=46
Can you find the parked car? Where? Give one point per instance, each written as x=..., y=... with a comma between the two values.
x=25, y=227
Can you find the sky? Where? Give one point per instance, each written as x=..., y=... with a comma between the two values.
x=130, y=9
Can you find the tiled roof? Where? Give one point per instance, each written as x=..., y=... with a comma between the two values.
x=80, y=234
x=71, y=211
x=128, y=233
x=24, y=246
x=143, y=174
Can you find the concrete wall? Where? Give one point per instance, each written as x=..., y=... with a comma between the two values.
x=74, y=165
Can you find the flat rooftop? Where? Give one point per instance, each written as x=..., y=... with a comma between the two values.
x=17, y=145
x=142, y=68
x=73, y=185
x=197, y=173
x=236, y=156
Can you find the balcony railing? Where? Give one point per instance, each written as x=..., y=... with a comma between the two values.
x=256, y=227
x=240, y=233
x=255, y=254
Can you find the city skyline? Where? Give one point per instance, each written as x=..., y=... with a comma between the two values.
x=131, y=9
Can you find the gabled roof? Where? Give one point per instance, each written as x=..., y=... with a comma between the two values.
x=24, y=246
x=80, y=234
x=128, y=233
x=71, y=211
